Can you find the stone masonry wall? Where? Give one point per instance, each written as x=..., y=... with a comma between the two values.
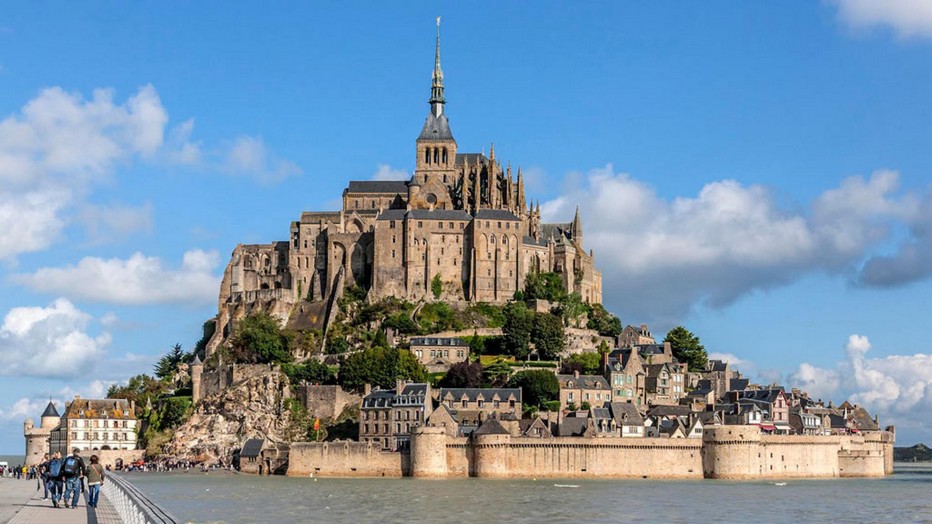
x=344, y=459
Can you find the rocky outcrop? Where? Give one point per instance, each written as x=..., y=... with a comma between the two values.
x=252, y=406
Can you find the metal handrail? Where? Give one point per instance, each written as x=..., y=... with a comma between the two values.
x=133, y=506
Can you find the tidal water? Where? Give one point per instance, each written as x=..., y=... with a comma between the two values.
x=905, y=496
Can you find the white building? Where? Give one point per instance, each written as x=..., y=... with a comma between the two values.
x=97, y=424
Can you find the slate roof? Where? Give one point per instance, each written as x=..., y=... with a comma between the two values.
x=392, y=214
x=473, y=394
x=583, y=382
x=438, y=341
x=251, y=448
x=414, y=390
x=626, y=414
x=668, y=411
x=862, y=420
x=572, y=427
x=496, y=214
x=436, y=128
x=529, y=241
x=471, y=158
x=557, y=231
x=717, y=365
x=100, y=408
x=601, y=413
x=380, y=398
x=740, y=384
x=439, y=214
x=377, y=186
x=50, y=411
x=491, y=427
x=763, y=395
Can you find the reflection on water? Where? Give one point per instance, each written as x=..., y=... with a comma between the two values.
x=226, y=497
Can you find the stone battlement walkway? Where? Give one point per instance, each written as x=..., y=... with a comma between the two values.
x=20, y=503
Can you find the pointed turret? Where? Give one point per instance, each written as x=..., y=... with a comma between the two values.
x=577, y=228
x=521, y=204
x=436, y=86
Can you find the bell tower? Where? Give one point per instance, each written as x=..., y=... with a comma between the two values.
x=436, y=148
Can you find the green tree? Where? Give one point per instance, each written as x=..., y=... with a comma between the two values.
x=584, y=363
x=544, y=286
x=519, y=321
x=259, y=338
x=463, y=375
x=311, y=372
x=139, y=389
x=687, y=348
x=572, y=308
x=496, y=374
x=380, y=367
x=548, y=336
x=537, y=386
x=607, y=324
x=166, y=366
x=436, y=286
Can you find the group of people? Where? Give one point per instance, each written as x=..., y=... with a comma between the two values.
x=19, y=472
x=64, y=478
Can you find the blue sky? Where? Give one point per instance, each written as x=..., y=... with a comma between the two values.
x=758, y=172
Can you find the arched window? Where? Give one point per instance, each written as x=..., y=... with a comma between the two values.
x=436, y=155
x=444, y=156
x=427, y=155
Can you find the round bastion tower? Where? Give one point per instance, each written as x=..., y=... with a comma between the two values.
x=491, y=452
x=37, y=439
x=731, y=452
x=428, y=452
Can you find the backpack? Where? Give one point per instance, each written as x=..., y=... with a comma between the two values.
x=54, y=468
x=70, y=467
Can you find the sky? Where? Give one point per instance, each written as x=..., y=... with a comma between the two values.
x=758, y=172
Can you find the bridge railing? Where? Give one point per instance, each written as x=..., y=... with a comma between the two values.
x=133, y=506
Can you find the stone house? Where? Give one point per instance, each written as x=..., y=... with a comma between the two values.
x=97, y=424
x=577, y=390
x=624, y=370
x=387, y=416
x=438, y=354
x=635, y=336
x=664, y=384
x=628, y=419
x=773, y=404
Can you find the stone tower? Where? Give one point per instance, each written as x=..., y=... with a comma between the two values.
x=435, y=168
x=37, y=439
x=197, y=370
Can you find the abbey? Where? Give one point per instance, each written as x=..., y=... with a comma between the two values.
x=462, y=220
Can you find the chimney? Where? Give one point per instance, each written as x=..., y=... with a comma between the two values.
x=367, y=390
x=399, y=385
x=576, y=373
x=605, y=362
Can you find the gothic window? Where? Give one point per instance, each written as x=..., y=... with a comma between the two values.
x=436, y=155
x=444, y=161
x=427, y=155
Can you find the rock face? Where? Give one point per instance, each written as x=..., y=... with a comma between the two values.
x=252, y=406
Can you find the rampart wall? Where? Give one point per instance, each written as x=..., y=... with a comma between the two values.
x=724, y=452
x=345, y=459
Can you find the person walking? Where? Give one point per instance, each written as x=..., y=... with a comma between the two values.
x=95, y=480
x=72, y=469
x=44, y=475
x=55, y=478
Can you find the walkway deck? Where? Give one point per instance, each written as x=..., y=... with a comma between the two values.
x=21, y=503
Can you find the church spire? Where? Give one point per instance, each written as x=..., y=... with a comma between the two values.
x=436, y=87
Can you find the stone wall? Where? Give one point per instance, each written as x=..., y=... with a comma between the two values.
x=345, y=459
x=584, y=341
x=326, y=402
x=108, y=457
x=726, y=452
x=741, y=452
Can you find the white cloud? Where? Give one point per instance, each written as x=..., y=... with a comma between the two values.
x=49, y=342
x=387, y=172
x=660, y=258
x=57, y=148
x=897, y=387
x=745, y=366
x=32, y=407
x=136, y=280
x=107, y=223
x=249, y=156
x=908, y=18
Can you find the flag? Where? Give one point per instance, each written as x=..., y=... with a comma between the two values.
x=316, y=424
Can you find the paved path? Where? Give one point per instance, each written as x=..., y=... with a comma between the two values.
x=21, y=504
